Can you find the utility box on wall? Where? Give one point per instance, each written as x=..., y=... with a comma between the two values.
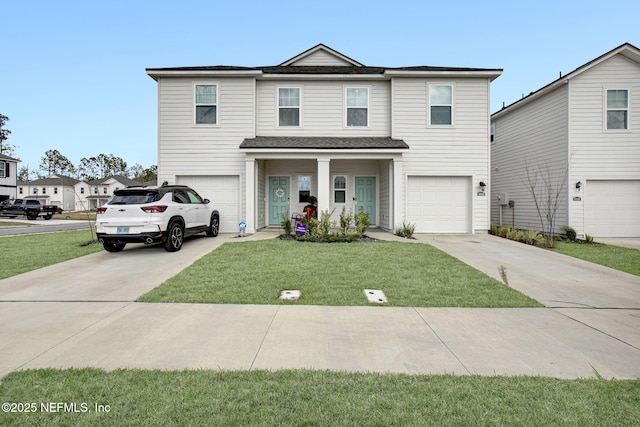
x=503, y=198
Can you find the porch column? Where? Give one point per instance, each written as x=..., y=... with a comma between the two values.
x=397, y=211
x=324, y=185
x=250, y=195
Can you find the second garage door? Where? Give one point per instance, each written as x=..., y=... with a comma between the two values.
x=612, y=208
x=439, y=204
x=224, y=193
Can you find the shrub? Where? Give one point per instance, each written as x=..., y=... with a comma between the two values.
x=588, y=238
x=345, y=221
x=531, y=237
x=362, y=222
x=285, y=223
x=570, y=232
x=406, y=230
x=325, y=224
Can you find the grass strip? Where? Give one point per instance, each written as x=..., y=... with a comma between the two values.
x=27, y=252
x=314, y=398
x=616, y=257
x=410, y=275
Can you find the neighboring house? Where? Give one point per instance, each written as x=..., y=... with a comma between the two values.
x=93, y=194
x=8, y=177
x=585, y=128
x=405, y=144
x=55, y=190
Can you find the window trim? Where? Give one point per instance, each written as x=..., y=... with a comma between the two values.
x=452, y=105
x=278, y=107
x=606, y=109
x=346, y=107
x=334, y=189
x=196, y=105
x=3, y=169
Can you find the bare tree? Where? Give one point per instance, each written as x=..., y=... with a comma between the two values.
x=6, y=149
x=547, y=189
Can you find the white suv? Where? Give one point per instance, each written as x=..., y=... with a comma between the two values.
x=166, y=214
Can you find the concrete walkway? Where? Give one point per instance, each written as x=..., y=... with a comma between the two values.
x=82, y=313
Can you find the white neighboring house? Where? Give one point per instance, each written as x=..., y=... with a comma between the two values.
x=93, y=194
x=8, y=177
x=585, y=126
x=55, y=190
x=404, y=144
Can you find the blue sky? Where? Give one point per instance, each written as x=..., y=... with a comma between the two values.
x=72, y=73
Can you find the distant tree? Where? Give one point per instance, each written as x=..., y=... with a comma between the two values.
x=102, y=166
x=53, y=162
x=135, y=171
x=148, y=174
x=23, y=173
x=6, y=149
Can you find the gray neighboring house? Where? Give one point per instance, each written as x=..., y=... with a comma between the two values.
x=584, y=126
x=8, y=177
x=401, y=143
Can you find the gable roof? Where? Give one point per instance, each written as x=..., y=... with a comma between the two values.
x=54, y=180
x=120, y=178
x=323, y=143
x=351, y=68
x=325, y=49
x=627, y=50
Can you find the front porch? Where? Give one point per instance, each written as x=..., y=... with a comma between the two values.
x=281, y=180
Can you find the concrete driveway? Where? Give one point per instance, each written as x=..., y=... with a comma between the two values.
x=82, y=313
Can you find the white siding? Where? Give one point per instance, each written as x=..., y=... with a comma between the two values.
x=321, y=57
x=323, y=109
x=534, y=137
x=458, y=150
x=188, y=149
x=598, y=154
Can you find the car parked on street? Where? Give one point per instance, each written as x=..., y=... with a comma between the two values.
x=30, y=208
x=165, y=214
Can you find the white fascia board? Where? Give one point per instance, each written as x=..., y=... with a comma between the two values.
x=285, y=76
x=284, y=153
x=203, y=73
x=491, y=74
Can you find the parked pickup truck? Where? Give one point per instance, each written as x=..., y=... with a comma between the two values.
x=32, y=209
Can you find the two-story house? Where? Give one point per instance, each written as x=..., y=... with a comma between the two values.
x=8, y=177
x=408, y=144
x=54, y=190
x=583, y=132
x=93, y=194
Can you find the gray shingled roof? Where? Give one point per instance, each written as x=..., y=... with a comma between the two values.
x=323, y=143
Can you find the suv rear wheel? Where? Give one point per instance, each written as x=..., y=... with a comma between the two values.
x=214, y=226
x=175, y=237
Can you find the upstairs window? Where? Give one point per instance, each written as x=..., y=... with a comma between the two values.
x=4, y=169
x=206, y=104
x=357, y=106
x=44, y=190
x=20, y=191
x=617, y=109
x=81, y=190
x=55, y=190
x=441, y=105
x=288, y=106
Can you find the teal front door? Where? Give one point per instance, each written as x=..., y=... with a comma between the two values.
x=366, y=196
x=278, y=198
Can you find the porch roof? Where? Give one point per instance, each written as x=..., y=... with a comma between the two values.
x=323, y=143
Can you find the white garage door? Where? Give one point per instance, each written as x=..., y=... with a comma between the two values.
x=612, y=208
x=439, y=204
x=224, y=193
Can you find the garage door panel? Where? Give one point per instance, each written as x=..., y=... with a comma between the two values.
x=439, y=204
x=224, y=193
x=612, y=208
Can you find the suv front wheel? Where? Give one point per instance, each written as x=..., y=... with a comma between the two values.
x=175, y=237
x=214, y=226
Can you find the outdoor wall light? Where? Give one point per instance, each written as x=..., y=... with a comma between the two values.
x=482, y=185
x=578, y=185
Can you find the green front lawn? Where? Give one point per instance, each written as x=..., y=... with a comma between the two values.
x=27, y=252
x=256, y=272
x=619, y=258
x=312, y=398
